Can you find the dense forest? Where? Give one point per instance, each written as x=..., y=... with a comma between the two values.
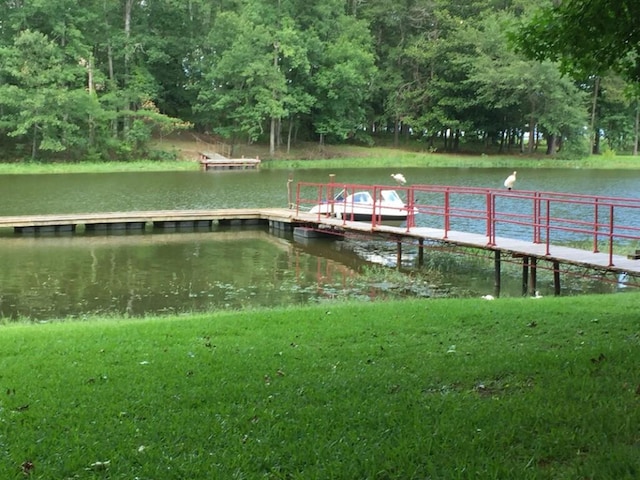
x=96, y=79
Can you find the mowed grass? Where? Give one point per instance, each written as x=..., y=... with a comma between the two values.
x=389, y=158
x=442, y=389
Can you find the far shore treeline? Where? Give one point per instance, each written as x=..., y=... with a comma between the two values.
x=97, y=80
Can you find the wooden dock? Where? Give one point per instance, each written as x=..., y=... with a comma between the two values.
x=215, y=161
x=281, y=219
x=139, y=220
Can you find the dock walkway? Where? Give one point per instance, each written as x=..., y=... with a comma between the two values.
x=509, y=246
x=285, y=218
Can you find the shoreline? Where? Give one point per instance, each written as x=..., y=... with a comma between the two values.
x=349, y=157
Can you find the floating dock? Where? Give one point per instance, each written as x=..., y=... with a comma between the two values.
x=215, y=161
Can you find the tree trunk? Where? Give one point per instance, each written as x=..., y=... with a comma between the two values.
x=636, y=128
x=551, y=144
x=34, y=144
x=127, y=35
x=272, y=137
x=595, y=141
x=112, y=77
x=596, y=145
x=272, y=132
x=289, y=135
x=521, y=141
x=532, y=134
x=396, y=133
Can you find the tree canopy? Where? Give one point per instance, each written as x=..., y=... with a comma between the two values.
x=587, y=37
x=98, y=79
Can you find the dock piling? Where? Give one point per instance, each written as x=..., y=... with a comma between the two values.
x=497, y=280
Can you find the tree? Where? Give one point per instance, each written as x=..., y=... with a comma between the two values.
x=299, y=60
x=529, y=93
x=587, y=37
x=37, y=99
x=342, y=80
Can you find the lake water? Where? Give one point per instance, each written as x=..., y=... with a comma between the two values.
x=230, y=268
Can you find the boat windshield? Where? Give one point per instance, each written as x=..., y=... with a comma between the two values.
x=362, y=197
x=390, y=196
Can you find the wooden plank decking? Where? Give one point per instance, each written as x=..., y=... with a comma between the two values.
x=520, y=248
x=215, y=161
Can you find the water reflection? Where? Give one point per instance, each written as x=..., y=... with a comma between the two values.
x=160, y=273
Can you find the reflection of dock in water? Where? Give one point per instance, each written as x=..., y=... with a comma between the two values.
x=155, y=238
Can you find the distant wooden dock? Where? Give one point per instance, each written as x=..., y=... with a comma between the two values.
x=215, y=161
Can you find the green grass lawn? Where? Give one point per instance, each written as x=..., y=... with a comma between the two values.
x=443, y=389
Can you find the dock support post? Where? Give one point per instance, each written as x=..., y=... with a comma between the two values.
x=496, y=273
x=331, y=193
x=556, y=278
x=525, y=275
x=289, y=197
x=421, y=252
x=533, y=276
x=398, y=254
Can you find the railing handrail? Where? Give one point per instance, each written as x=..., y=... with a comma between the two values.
x=597, y=221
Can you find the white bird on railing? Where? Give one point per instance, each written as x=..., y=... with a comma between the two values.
x=510, y=181
x=398, y=177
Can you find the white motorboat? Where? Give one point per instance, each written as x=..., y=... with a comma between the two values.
x=360, y=206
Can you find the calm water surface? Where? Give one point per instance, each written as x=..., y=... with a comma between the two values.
x=154, y=273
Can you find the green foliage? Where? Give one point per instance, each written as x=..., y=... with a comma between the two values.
x=74, y=79
x=588, y=38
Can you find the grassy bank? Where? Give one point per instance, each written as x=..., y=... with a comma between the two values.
x=517, y=388
x=389, y=158
x=338, y=157
x=97, y=167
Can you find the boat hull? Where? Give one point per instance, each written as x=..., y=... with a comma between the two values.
x=361, y=207
x=361, y=214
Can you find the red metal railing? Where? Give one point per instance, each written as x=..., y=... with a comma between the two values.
x=541, y=217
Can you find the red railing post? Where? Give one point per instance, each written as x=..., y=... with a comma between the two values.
x=488, y=214
x=548, y=226
x=611, y=235
x=596, y=221
x=411, y=219
x=492, y=220
x=346, y=206
x=446, y=214
x=536, y=217
x=374, y=213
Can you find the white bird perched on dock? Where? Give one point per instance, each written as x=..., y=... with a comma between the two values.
x=398, y=177
x=510, y=181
